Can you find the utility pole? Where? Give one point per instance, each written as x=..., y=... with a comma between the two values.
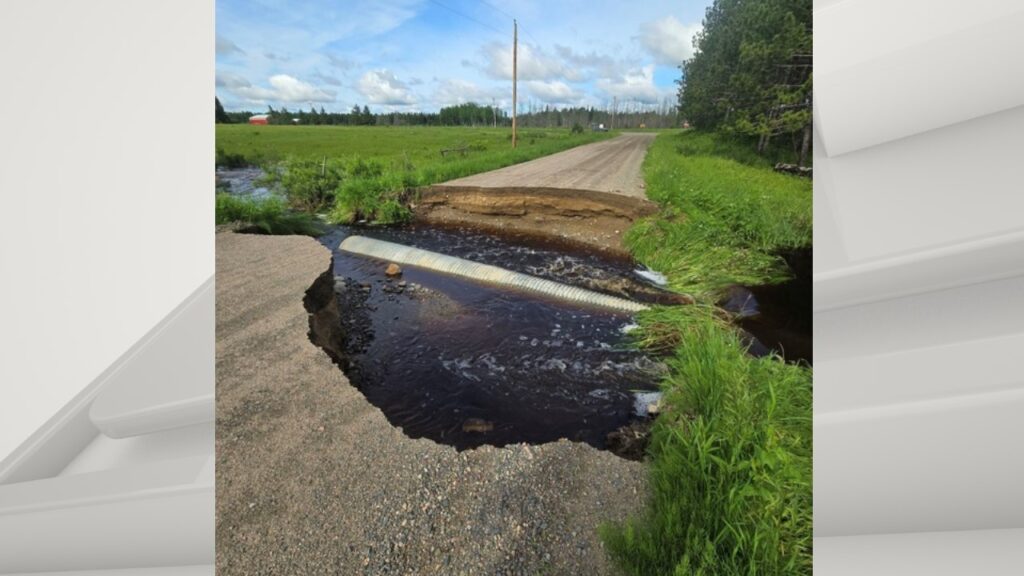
x=515, y=56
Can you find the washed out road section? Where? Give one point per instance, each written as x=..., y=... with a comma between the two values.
x=312, y=479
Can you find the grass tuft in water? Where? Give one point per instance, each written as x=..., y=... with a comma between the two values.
x=266, y=216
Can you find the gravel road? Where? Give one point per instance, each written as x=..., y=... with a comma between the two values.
x=312, y=479
x=609, y=166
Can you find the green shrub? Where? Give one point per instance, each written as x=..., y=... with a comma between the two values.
x=230, y=160
x=267, y=216
x=310, y=185
x=577, y=128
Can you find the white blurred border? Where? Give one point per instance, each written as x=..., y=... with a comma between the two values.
x=106, y=167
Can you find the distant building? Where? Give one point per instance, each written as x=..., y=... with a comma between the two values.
x=259, y=119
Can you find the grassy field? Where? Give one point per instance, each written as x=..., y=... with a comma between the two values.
x=373, y=170
x=418, y=144
x=731, y=452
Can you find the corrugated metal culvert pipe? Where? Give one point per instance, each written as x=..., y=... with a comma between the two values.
x=410, y=256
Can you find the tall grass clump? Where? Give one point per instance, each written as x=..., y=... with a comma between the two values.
x=266, y=216
x=309, y=185
x=730, y=459
x=730, y=454
x=726, y=215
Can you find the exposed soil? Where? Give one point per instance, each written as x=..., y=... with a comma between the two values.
x=591, y=219
x=313, y=479
x=589, y=195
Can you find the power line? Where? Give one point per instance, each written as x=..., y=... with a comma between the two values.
x=468, y=17
x=496, y=9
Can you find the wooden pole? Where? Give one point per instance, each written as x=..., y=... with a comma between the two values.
x=515, y=56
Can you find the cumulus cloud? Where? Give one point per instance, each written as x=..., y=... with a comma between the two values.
x=383, y=87
x=225, y=46
x=668, y=40
x=635, y=85
x=555, y=92
x=283, y=88
x=534, y=64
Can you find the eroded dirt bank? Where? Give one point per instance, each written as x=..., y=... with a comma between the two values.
x=312, y=479
x=591, y=219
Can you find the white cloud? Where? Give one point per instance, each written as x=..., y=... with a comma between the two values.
x=283, y=88
x=668, y=40
x=533, y=64
x=383, y=87
x=635, y=85
x=556, y=92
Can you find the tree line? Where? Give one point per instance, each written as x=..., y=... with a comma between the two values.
x=751, y=73
x=628, y=115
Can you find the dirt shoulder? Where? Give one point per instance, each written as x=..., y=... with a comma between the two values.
x=312, y=479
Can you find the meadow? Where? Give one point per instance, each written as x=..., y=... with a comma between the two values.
x=730, y=454
x=371, y=172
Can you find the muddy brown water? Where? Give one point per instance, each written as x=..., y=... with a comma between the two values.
x=467, y=364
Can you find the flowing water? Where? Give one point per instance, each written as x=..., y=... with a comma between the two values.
x=467, y=364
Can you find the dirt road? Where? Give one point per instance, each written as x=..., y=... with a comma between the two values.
x=609, y=166
x=312, y=479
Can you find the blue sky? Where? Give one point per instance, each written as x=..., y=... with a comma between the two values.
x=420, y=55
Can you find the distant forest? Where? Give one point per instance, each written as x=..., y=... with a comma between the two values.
x=630, y=115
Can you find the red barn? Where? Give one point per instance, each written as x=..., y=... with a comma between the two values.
x=259, y=119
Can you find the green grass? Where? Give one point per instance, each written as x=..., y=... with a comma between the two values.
x=267, y=216
x=725, y=214
x=382, y=166
x=730, y=456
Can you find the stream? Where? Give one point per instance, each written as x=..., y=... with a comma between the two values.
x=467, y=364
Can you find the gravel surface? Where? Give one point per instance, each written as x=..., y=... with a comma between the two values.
x=312, y=479
x=609, y=166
